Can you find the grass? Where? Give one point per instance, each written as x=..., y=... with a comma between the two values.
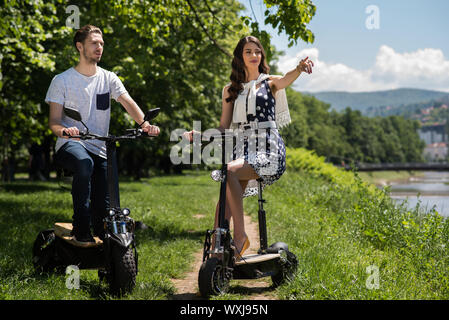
x=339, y=226
x=336, y=224
x=177, y=209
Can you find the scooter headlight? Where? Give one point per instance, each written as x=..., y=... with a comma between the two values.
x=126, y=212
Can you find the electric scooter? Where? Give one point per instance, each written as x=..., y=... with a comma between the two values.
x=219, y=263
x=115, y=256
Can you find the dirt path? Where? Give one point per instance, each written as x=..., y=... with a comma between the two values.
x=187, y=287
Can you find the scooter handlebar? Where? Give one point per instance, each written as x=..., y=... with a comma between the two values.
x=207, y=137
x=83, y=136
x=221, y=136
x=133, y=134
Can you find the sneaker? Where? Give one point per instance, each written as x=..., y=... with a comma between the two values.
x=84, y=240
x=83, y=237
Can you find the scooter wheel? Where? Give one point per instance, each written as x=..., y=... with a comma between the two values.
x=288, y=269
x=124, y=270
x=212, y=279
x=44, y=252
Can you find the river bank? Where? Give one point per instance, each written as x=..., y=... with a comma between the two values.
x=428, y=190
x=385, y=178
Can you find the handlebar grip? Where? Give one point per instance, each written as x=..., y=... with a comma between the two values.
x=65, y=134
x=143, y=134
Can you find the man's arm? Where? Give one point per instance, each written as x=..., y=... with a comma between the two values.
x=136, y=113
x=131, y=107
x=54, y=121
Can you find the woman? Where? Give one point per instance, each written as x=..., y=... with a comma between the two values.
x=249, y=103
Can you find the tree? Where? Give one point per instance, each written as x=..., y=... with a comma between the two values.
x=25, y=27
x=348, y=136
x=172, y=54
x=289, y=16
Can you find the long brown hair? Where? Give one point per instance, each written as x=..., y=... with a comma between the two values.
x=238, y=75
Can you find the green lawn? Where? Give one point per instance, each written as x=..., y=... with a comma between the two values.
x=177, y=209
x=339, y=228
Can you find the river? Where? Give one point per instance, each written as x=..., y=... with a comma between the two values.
x=430, y=189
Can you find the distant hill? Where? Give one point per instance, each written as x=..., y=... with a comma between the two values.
x=423, y=111
x=363, y=100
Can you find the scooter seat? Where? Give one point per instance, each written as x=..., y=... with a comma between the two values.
x=63, y=230
x=257, y=258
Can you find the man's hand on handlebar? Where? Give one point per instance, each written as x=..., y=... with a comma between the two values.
x=68, y=132
x=151, y=130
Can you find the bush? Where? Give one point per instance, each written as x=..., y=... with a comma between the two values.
x=361, y=215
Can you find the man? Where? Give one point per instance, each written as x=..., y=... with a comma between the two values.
x=88, y=89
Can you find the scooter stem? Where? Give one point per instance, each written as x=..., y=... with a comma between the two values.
x=114, y=197
x=222, y=201
x=262, y=222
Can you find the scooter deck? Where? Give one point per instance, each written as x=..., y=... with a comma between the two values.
x=254, y=266
x=257, y=258
x=63, y=230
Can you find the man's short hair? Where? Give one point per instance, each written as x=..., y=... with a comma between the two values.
x=82, y=33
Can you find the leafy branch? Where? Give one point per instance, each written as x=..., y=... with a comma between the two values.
x=226, y=52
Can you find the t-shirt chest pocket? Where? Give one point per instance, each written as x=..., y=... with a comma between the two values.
x=103, y=101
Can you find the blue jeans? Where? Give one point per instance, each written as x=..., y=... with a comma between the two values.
x=89, y=187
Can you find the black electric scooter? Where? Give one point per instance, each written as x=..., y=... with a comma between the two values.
x=115, y=256
x=219, y=263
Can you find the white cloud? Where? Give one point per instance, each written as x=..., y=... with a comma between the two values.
x=423, y=68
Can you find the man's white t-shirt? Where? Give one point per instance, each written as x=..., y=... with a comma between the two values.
x=91, y=96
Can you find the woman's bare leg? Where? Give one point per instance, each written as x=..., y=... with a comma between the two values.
x=239, y=172
x=228, y=214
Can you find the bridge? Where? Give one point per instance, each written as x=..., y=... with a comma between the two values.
x=412, y=166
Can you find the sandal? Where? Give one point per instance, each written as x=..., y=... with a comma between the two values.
x=245, y=246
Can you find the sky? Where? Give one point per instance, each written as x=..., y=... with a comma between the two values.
x=369, y=45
